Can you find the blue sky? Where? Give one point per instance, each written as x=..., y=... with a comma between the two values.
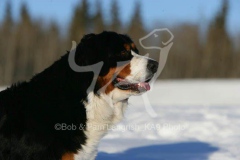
x=156, y=13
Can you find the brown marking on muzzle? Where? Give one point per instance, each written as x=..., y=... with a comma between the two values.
x=121, y=71
x=68, y=156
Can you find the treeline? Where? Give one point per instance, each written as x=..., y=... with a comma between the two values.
x=27, y=46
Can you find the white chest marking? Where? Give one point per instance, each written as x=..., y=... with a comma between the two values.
x=102, y=113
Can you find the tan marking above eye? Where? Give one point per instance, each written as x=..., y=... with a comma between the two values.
x=133, y=46
x=127, y=47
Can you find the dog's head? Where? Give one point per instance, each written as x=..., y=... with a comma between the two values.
x=124, y=71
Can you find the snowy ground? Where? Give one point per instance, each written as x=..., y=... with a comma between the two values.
x=196, y=120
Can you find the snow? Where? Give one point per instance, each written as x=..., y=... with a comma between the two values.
x=196, y=120
x=2, y=88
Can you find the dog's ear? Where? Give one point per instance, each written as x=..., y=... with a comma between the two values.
x=86, y=51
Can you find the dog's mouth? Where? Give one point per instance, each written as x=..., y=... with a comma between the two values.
x=124, y=84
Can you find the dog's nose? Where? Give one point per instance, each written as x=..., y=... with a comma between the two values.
x=152, y=66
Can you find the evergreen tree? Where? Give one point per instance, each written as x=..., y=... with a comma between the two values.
x=136, y=25
x=49, y=48
x=136, y=29
x=218, y=47
x=80, y=22
x=6, y=45
x=7, y=20
x=25, y=17
x=24, y=47
x=98, y=22
x=115, y=19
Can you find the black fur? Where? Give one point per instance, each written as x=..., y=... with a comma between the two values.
x=29, y=110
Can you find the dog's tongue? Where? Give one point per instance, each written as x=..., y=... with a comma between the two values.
x=143, y=85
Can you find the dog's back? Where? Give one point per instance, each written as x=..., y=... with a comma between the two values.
x=29, y=111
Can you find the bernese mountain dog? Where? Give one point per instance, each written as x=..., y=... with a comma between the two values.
x=30, y=110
